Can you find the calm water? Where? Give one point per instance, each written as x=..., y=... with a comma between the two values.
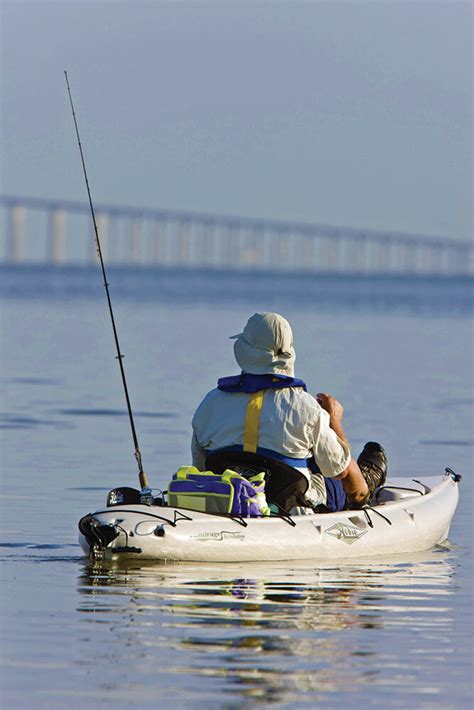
x=393, y=631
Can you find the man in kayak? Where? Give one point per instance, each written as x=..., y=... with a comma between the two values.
x=264, y=419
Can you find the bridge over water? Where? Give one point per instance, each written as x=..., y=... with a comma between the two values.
x=60, y=231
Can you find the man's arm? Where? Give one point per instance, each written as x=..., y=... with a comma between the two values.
x=353, y=481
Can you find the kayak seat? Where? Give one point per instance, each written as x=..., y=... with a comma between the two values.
x=284, y=485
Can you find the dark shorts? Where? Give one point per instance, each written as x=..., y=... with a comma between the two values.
x=336, y=498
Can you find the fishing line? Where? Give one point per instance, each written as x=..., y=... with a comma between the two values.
x=141, y=473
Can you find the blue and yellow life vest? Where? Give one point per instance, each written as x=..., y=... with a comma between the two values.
x=255, y=386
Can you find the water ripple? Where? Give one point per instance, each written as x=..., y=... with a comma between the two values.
x=114, y=413
x=13, y=421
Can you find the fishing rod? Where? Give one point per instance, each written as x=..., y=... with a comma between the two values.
x=145, y=490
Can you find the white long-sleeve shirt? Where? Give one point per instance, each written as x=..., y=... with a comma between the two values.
x=292, y=423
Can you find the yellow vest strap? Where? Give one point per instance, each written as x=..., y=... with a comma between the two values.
x=252, y=421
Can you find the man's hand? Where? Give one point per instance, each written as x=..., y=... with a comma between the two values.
x=331, y=405
x=353, y=482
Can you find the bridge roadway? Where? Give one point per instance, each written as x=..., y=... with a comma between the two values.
x=180, y=238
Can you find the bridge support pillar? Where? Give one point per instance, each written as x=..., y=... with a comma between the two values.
x=17, y=233
x=159, y=242
x=136, y=241
x=57, y=231
x=183, y=243
x=203, y=244
x=103, y=228
x=102, y=223
x=331, y=253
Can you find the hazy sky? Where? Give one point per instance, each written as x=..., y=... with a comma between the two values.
x=350, y=113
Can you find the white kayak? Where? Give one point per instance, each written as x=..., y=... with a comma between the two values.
x=407, y=515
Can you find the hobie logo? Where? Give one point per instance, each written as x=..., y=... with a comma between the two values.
x=346, y=533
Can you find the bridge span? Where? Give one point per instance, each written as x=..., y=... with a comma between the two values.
x=60, y=231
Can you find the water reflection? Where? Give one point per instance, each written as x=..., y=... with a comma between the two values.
x=276, y=632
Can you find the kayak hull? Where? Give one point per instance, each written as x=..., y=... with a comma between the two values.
x=411, y=515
